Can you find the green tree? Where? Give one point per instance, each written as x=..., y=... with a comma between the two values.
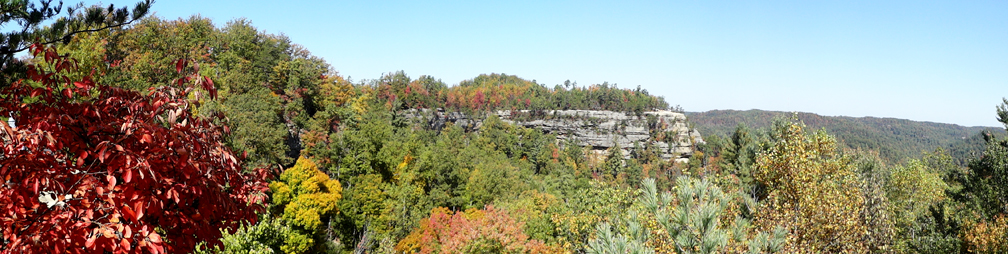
x=985, y=186
x=925, y=219
x=614, y=162
x=739, y=153
x=690, y=220
x=912, y=190
x=270, y=90
x=264, y=237
x=985, y=191
x=30, y=17
x=608, y=242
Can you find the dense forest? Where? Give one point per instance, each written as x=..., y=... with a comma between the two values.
x=147, y=134
x=894, y=139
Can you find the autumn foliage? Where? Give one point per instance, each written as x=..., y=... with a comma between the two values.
x=987, y=236
x=812, y=192
x=115, y=154
x=508, y=92
x=307, y=197
x=474, y=231
x=93, y=168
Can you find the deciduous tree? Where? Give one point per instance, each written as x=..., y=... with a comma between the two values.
x=308, y=199
x=487, y=230
x=92, y=168
x=812, y=191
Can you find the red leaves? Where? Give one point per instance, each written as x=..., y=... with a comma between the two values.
x=111, y=182
x=127, y=175
x=125, y=244
x=50, y=55
x=101, y=153
x=173, y=195
x=87, y=152
x=80, y=85
x=90, y=242
x=199, y=81
x=130, y=214
x=139, y=209
x=209, y=86
x=179, y=64
x=154, y=238
x=8, y=130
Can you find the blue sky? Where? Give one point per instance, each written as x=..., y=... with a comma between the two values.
x=920, y=60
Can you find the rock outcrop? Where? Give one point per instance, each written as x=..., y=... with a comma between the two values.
x=600, y=130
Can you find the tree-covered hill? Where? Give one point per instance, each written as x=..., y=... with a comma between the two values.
x=509, y=92
x=894, y=139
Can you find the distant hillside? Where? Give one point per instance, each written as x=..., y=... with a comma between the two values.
x=894, y=139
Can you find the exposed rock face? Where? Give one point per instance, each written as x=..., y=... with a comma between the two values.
x=601, y=130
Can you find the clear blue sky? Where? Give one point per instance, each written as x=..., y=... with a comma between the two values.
x=920, y=60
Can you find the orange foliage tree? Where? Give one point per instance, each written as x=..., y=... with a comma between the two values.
x=486, y=231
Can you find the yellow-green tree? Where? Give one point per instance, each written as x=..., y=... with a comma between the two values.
x=912, y=189
x=307, y=198
x=576, y=218
x=812, y=190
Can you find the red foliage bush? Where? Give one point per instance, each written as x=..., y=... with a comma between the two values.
x=94, y=168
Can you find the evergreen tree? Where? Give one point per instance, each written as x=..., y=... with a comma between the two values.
x=30, y=17
x=686, y=221
x=985, y=191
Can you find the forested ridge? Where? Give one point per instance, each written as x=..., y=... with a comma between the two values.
x=894, y=139
x=181, y=135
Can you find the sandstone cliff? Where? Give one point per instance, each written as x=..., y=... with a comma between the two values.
x=599, y=130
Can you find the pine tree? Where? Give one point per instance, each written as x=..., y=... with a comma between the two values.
x=30, y=17
x=688, y=220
